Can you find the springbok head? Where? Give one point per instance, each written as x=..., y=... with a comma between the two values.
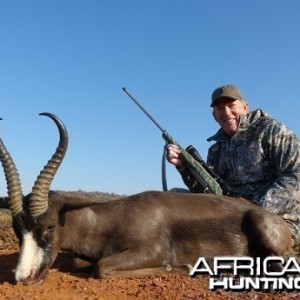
x=32, y=223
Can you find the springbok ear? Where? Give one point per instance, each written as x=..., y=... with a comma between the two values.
x=72, y=203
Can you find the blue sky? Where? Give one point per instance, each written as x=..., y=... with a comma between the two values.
x=72, y=58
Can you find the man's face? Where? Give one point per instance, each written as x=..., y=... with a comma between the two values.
x=227, y=113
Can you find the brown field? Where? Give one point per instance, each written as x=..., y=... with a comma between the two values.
x=65, y=282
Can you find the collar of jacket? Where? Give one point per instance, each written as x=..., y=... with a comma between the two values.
x=245, y=122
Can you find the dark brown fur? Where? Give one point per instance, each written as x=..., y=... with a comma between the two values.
x=157, y=232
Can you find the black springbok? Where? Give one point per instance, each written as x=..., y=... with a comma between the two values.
x=146, y=234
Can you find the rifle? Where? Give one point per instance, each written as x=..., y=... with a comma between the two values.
x=210, y=181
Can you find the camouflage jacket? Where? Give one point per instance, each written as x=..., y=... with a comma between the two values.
x=260, y=162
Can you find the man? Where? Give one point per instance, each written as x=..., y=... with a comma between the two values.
x=257, y=157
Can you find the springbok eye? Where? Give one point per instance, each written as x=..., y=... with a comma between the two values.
x=48, y=233
x=51, y=228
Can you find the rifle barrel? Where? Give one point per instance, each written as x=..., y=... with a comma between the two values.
x=143, y=109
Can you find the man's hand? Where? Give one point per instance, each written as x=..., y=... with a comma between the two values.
x=172, y=155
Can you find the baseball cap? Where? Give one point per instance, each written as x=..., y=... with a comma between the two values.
x=226, y=91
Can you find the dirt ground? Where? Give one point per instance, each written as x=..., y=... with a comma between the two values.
x=65, y=282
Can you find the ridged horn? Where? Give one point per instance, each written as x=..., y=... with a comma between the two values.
x=39, y=196
x=14, y=188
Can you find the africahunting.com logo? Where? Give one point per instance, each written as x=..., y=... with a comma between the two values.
x=248, y=273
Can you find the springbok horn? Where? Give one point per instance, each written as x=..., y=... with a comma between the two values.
x=39, y=196
x=14, y=188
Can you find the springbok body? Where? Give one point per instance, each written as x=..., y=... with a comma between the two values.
x=141, y=235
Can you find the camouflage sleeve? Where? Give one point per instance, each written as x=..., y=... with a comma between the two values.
x=283, y=149
x=190, y=181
